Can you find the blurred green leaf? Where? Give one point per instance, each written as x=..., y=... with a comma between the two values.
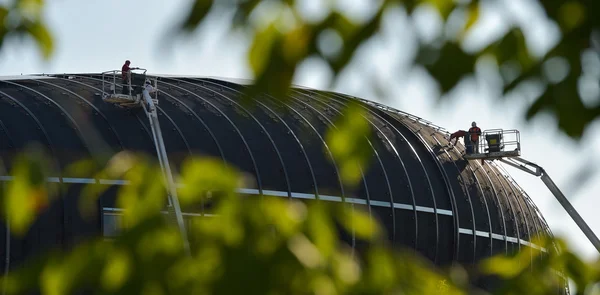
x=117, y=270
x=30, y=8
x=305, y=251
x=25, y=18
x=506, y=267
x=3, y=30
x=562, y=98
x=29, y=194
x=348, y=142
x=42, y=37
x=512, y=47
x=320, y=229
x=443, y=7
x=202, y=175
x=473, y=13
x=196, y=14
x=452, y=65
x=145, y=196
x=359, y=221
x=285, y=216
x=261, y=50
x=571, y=15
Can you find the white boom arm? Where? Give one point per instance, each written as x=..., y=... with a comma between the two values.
x=161, y=151
x=536, y=170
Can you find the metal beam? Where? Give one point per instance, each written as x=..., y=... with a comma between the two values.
x=537, y=170
x=571, y=210
x=163, y=159
x=533, y=170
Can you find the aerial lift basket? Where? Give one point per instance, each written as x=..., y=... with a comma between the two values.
x=130, y=94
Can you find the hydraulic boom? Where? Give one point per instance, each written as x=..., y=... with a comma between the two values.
x=536, y=170
x=135, y=92
x=150, y=108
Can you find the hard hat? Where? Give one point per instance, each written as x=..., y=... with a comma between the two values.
x=148, y=81
x=473, y=124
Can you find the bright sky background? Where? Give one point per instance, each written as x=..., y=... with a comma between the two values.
x=95, y=36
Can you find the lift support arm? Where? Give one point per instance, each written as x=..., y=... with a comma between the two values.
x=536, y=170
x=173, y=206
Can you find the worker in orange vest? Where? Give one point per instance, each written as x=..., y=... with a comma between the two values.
x=475, y=132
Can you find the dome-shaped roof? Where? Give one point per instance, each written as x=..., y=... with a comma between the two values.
x=426, y=194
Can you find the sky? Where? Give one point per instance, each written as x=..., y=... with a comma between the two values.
x=96, y=36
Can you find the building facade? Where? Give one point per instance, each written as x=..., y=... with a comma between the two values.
x=428, y=197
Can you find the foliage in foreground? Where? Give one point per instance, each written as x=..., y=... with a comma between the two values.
x=250, y=245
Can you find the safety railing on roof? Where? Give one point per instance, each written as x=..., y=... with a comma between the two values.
x=393, y=110
x=404, y=114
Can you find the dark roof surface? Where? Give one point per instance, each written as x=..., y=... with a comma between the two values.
x=427, y=195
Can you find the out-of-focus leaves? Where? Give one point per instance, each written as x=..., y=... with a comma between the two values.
x=450, y=66
x=506, y=267
x=117, y=270
x=29, y=193
x=30, y=8
x=306, y=252
x=196, y=14
x=352, y=34
x=3, y=30
x=415, y=276
x=24, y=18
x=202, y=175
x=542, y=273
x=321, y=229
x=259, y=54
x=562, y=98
x=116, y=168
x=274, y=58
x=444, y=7
x=512, y=48
x=359, y=221
x=285, y=217
x=42, y=37
x=572, y=15
x=264, y=245
x=274, y=62
x=348, y=143
x=473, y=13
x=145, y=196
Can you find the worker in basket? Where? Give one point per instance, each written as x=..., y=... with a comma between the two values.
x=149, y=87
x=474, y=133
x=467, y=143
x=126, y=75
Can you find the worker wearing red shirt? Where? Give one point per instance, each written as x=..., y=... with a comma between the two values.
x=475, y=132
x=125, y=71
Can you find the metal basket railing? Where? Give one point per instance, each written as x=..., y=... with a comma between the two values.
x=110, y=77
x=497, y=140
